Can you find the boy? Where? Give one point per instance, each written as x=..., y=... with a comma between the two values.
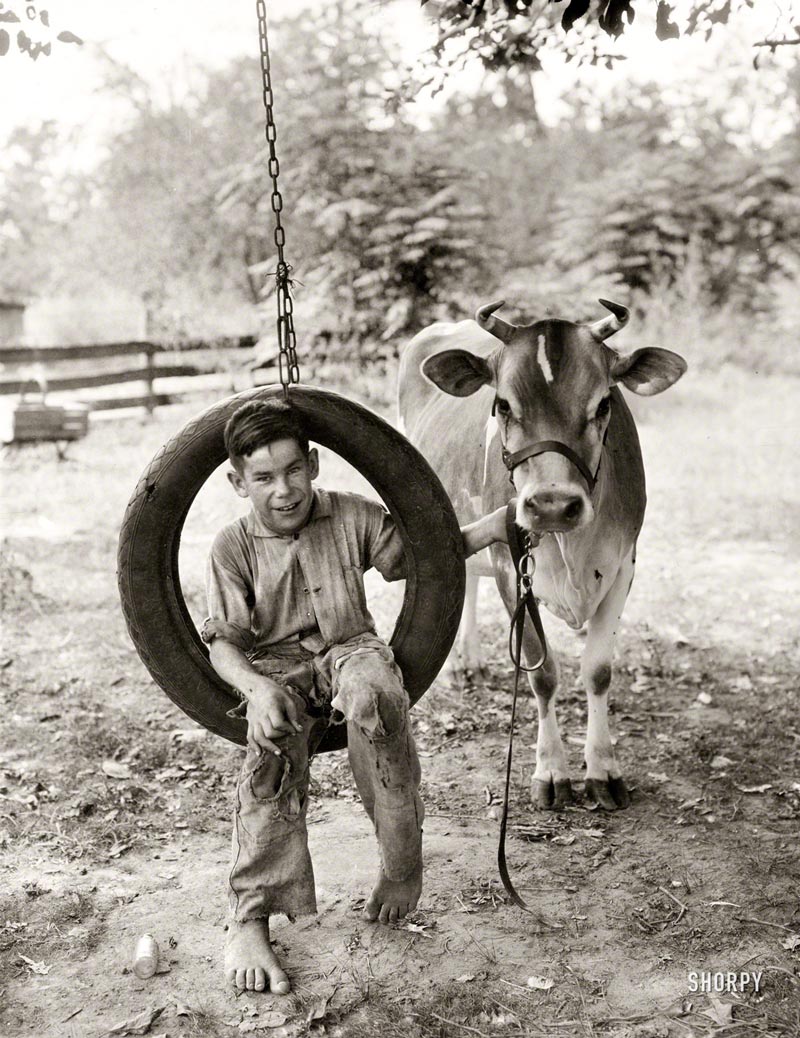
x=289, y=629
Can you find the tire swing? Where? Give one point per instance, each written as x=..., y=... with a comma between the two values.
x=153, y=605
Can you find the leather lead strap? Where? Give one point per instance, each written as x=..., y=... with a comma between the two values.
x=525, y=602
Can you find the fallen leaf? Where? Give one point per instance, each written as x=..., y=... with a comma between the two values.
x=539, y=983
x=418, y=928
x=720, y=1012
x=792, y=942
x=704, y=698
x=140, y=1024
x=721, y=762
x=564, y=839
x=465, y=978
x=320, y=1008
x=36, y=967
x=272, y=1018
x=116, y=769
x=755, y=789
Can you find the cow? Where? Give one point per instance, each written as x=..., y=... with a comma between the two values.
x=535, y=411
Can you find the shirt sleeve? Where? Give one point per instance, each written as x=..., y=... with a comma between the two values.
x=384, y=547
x=228, y=595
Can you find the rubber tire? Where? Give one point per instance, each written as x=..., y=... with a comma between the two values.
x=149, y=584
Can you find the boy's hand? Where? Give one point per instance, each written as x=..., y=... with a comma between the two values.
x=485, y=531
x=498, y=525
x=271, y=715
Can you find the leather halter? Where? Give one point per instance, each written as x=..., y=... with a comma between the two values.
x=551, y=446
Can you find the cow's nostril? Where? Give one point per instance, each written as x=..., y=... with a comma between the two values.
x=573, y=509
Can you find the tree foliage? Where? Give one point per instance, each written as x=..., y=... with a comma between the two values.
x=25, y=28
x=25, y=222
x=377, y=225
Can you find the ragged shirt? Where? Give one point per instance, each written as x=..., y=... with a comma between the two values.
x=308, y=588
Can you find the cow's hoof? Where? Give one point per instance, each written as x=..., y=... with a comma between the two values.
x=464, y=678
x=610, y=796
x=551, y=796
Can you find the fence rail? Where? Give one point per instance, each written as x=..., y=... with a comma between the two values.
x=52, y=369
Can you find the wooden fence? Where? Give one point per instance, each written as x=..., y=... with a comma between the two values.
x=26, y=370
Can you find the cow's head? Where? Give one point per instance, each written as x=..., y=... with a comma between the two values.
x=552, y=382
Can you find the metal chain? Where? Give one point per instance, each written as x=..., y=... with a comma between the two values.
x=287, y=356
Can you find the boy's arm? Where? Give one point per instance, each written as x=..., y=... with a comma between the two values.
x=271, y=710
x=484, y=531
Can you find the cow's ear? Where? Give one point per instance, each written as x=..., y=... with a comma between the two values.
x=647, y=371
x=457, y=372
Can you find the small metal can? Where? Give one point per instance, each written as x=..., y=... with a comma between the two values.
x=145, y=958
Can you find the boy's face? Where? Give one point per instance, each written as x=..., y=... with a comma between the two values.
x=277, y=479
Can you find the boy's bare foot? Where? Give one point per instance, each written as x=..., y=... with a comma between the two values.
x=250, y=962
x=393, y=899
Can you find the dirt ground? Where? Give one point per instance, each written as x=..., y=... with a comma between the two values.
x=114, y=807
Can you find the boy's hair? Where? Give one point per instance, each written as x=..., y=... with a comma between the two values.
x=259, y=423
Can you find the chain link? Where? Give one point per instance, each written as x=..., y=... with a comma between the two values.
x=287, y=355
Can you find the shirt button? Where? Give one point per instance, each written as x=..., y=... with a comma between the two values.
x=305, y=590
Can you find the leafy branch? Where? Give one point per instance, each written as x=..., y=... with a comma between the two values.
x=36, y=38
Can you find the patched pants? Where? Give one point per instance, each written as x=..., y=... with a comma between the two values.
x=357, y=683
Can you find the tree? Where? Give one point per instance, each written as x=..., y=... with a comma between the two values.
x=147, y=219
x=25, y=218
x=377, y=224
x=699, y=200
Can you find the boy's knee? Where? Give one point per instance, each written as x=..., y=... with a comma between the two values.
x=370, y=694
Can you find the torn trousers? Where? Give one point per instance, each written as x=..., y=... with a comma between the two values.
x=357, y=683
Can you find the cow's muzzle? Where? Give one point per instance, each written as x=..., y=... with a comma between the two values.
x=553, y=508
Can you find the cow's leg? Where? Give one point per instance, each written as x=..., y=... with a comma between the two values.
x=464, y=660
x=604, y=783
x=551, y=788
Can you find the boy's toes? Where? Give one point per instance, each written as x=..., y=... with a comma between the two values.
x=372, y=909
x=251, y=979
x=278, y=981
x=259, y=980
x=239, y=978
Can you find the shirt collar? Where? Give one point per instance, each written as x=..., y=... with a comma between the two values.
x=320, y=509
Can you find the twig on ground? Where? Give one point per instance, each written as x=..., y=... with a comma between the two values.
x=490, y=956
x=455, y=1023
x=762, y=922
x=680, y=904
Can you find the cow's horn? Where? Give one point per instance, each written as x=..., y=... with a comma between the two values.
x=618, y=319
x=501, y=330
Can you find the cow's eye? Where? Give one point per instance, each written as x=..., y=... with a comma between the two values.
x=604, y=407
x=503, y=406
